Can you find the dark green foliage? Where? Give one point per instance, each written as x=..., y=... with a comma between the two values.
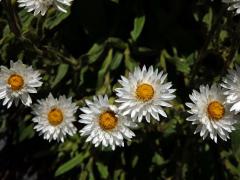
x=84, y=52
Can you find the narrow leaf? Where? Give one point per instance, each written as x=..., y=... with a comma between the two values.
x=78, y=159
x=61, y=72
x=104, y=68
x=117, y=59
x=138, y=27
x=95, y=52
x=103, y=170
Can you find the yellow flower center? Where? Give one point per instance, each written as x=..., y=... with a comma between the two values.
x=55, y=116
x=215, y=110
x=16, y=82
x=108, y=120
x=144, y=92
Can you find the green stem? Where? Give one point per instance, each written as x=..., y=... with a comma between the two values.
x=13, y=20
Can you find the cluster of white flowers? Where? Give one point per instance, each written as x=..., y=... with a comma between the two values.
x=212, y=107
x=141, y=96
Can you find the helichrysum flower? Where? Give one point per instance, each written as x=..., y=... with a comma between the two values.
x=233, y=5
x=17, y=83
x=210, y=113
x=54, y=118
x=144, y=94
x=104, y=124
x=41, y=6
x=231, y=85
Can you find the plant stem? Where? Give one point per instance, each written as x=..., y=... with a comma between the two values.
x=13, y=20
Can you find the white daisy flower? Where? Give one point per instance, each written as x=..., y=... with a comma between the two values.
x=144, y=94
x=41, y=6
x=233, y=5
x=55, y=117
x=17, y=83
x=210, y=113
x=104, y=124
x=232, y=86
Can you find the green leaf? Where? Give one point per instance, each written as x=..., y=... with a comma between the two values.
x=157, y=159
x=115, y=1
x=91, y=176
x=223, y=35
x=78, y=159
x=144, y=50
x=116, y=43
x=27, y=132
x=182, y=63
x=84, y=175
x=169, y=127
x=231, y=167
x=129, y=61
x=135, y=161
x=123, y=176
x=55, y=18
x=196, y=16
x=138, y=27
x=61, y=72
x=89, y=168
x=162, y=60
x=117, y=59
x=24, y=16
x=105, y=66
x=117, y=174
x=95, y=52
x=82, y=73
x=103, y=170
x=208, y=18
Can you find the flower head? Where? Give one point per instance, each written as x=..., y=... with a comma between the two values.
x=54, y=117
x=104, y=124
x=231, y=85
x=17, y=83
x=41, y=6
x=144, y=94
x=209, y=111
